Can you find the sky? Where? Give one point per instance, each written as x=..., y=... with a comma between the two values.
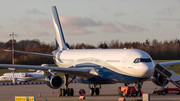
x=91, y=21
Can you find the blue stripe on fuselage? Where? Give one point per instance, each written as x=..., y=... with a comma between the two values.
x=108, y=76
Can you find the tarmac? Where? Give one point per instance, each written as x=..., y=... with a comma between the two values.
x=107, y=92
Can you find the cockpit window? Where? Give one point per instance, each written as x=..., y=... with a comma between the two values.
x=138, y=60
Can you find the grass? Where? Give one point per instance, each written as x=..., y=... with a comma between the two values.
x=165, y=60
x=175, y=68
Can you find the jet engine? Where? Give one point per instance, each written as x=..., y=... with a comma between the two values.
x=159, y=79
x=54, y=81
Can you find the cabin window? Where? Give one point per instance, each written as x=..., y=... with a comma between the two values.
x=138, y=60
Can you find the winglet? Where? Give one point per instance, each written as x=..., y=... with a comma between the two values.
x=60, y=41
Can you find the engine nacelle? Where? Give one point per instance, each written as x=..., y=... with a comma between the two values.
x=54, y=81
x=158, y=79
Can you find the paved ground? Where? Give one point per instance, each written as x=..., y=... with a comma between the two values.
x=108, y=92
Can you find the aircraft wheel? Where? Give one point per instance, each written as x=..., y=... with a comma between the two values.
x=71, y=92
x=63, y=92
x=68, y=92
x=97, y=91
x=139, y=93
x=127, y=95
x=60, y=92
x=91, y=91
x=163, y=92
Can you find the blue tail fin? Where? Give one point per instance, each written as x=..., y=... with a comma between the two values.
x=60, y=41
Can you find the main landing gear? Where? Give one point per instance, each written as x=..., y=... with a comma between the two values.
x=95, y=90
x=66, y=91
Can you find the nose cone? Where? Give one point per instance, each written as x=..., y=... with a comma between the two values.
x=146, y=70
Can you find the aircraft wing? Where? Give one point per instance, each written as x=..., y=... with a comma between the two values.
x=169, y=63
x=42, y=54
x=80, y=72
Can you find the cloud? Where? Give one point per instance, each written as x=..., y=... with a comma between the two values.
x=103, y=23
x=46, y=23
x=71, y=22
x=168, y=11
x=76, y=22
x=37, y=34
x=133, y=28
x=79, y=25
x=120, y=14
x=111, y=29
x=0, y=26
x=35, y=12
x=79, y=31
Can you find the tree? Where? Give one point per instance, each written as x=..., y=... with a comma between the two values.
x=103, y=46
x=155, y=41
x=147, y=42
x=16, y=61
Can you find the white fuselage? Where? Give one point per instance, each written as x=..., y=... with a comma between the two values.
x=118, y=60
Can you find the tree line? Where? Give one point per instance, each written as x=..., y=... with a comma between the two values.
x=166, y=50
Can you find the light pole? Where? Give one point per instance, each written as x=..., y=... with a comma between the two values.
x=14, y=79
x=13, y=46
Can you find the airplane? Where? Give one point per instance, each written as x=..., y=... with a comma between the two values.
x=22, y=77
x=95, y=66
